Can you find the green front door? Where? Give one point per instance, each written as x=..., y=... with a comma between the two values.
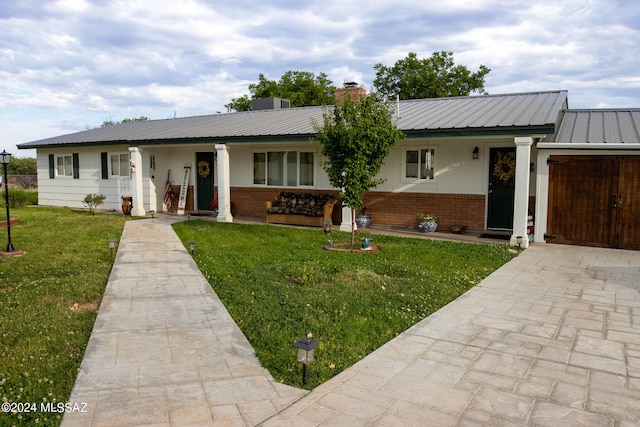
x=204, y=180
x=502, y=167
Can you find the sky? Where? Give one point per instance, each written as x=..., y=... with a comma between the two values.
x=69, y=65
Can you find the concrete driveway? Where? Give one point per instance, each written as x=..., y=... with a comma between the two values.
x=550, y=339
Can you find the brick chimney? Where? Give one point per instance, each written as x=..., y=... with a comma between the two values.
x=350, y=91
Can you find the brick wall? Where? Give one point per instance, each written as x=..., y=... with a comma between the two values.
x=175, y=190
x=353, y=93
x=251, y=201
x=401, y=208
x=385, y=207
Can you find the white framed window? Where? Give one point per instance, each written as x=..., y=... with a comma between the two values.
x=284, y=168
x=419, y=163
x=120, y=164
x=64, y=165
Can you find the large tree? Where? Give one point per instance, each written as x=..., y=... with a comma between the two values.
x=356, y=136
x=434, y=77
x=301, y=88
x=22, y=166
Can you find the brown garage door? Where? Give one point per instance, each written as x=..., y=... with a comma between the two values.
x=594, y=201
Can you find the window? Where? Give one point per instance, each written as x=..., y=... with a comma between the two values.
x=419, y=163
x=120, y=165
x=65, y=165
x=283, y=168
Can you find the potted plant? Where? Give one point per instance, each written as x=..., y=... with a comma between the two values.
x=427, y=222
x=363, y=220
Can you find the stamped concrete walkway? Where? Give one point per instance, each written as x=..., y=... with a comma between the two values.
x=552, y=338
x=164, y=350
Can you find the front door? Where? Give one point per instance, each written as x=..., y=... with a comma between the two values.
x=502, y=167
x=204, y=180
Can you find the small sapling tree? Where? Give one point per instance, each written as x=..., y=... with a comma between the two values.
x=356, y=136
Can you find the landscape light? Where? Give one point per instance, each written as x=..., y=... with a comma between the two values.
x=305, y=348
x=112, y=244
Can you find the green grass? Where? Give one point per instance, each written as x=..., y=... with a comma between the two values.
x=279, y=284
x=42, y=335
x=276, y=282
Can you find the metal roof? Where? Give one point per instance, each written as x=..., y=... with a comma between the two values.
x=610, y=126
x=530, y=112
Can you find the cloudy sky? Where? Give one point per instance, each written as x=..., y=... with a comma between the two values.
x=69, y=65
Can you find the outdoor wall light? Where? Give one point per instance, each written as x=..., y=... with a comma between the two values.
x=305, y=348
x=476, y=153
x=192, y=246
x=5, y=158
x=112, y=244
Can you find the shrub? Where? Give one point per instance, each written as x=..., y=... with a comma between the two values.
x=93, y=201
x=19, y=198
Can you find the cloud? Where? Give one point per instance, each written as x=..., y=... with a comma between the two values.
x=77, y=62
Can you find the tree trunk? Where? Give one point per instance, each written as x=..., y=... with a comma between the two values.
x=353, y=227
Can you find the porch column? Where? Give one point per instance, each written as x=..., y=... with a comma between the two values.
x=224, y=184
x=137, y=192
x=542, y=196
x=521, y=197
x=345, y=225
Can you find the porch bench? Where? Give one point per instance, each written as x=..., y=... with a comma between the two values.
x=300, y=209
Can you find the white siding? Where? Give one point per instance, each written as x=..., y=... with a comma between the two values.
x=69, y=192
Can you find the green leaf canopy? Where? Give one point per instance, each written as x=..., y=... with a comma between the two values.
x=356, y=137
x=435, y=77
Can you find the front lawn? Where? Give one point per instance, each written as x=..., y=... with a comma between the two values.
x=48, y=303
x=279, y=284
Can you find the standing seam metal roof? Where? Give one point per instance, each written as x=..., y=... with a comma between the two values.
x=601, y=126
x=486, y=113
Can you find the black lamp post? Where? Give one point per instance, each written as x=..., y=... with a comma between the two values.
x=5, y=158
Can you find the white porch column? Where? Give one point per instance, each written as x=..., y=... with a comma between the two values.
x=521, y=198
x=137, y=192
x=542, y=196
x=224, y=184
x=345, y=225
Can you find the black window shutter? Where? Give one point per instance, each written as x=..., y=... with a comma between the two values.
x=76, y=166
x=52, y=166
x=104, y=165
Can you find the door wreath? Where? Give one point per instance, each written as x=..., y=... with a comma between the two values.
x=505, y=168
x=203, y=169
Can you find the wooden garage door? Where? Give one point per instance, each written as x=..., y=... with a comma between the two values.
x=594, y=201
x=629, y=210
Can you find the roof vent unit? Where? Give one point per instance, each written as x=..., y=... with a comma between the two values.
x=270, y=104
